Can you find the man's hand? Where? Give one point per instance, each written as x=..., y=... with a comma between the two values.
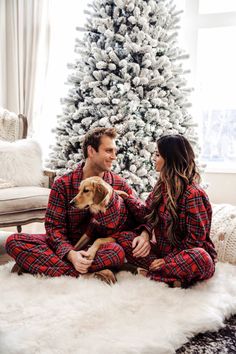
x=80, y=260
x=156, y=264
x=141, y=245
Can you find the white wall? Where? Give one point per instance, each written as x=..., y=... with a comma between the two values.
x=222, y=187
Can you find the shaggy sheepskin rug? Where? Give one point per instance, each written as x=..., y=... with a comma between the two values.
x=135, y=316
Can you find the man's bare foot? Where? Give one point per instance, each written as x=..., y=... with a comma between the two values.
x=105, y=275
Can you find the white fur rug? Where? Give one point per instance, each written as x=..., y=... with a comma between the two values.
x=76, y=316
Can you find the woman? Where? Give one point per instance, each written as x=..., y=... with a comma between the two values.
x=178, y=213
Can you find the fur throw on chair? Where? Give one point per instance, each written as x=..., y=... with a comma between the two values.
x=21, y=163
x=9, y=126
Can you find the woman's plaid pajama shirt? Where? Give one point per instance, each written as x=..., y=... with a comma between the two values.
x=194, y=257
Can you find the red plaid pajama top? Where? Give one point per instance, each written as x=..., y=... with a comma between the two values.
x=65, y=224
x=194, y=212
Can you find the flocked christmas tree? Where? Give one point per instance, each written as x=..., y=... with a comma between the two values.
x=128, y=74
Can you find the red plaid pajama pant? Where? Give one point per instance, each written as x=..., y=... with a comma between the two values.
x=32, y=253
x=188, y=266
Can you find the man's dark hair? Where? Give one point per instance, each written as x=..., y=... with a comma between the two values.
x=93, y=138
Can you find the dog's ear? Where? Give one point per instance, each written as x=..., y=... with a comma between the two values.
x=100, y=193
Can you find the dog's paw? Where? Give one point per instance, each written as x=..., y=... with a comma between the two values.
x=106, y=275
x=90, y=253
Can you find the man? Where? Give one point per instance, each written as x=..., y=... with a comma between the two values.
x=53, y=254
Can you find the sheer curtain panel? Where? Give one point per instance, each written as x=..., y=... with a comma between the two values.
x=22, y=32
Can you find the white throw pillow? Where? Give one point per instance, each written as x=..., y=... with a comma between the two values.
x=223, y=232
x=21, y=163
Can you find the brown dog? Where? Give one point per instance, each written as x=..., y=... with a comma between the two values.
x=105, y=204
x=94, y=193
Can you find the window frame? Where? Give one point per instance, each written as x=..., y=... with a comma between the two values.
x=193, y=21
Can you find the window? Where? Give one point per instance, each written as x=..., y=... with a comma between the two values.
x=210, y=38
x=216, y=78
x=216, y=6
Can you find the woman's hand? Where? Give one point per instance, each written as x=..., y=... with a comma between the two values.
x=141, y=245
x=156, y=264
x=122, y=194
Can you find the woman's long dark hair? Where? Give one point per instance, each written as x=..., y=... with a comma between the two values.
x=178, y=171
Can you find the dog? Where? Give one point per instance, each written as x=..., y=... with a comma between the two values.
x=107, y=206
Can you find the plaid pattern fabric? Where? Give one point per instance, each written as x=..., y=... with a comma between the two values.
x=115, y=219
x=195, y=215
x=195, y=255
x=188, y=266
x=65, y=224
x=125, y=239
x=45, y=254
x=140, y=209
x=31, y=252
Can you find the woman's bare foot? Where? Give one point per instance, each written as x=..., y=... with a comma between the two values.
x=156, y=264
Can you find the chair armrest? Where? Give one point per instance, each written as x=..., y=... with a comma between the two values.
x=51, y=176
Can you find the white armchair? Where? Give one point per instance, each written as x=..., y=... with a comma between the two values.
x=24, y=186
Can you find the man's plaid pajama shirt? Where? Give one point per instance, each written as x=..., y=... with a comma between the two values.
x=46, y=254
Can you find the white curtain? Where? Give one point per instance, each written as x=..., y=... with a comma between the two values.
x=2, y=53
x=64, y=16
x=24, y=32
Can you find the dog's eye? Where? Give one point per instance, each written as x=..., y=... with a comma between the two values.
x=86, y=190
